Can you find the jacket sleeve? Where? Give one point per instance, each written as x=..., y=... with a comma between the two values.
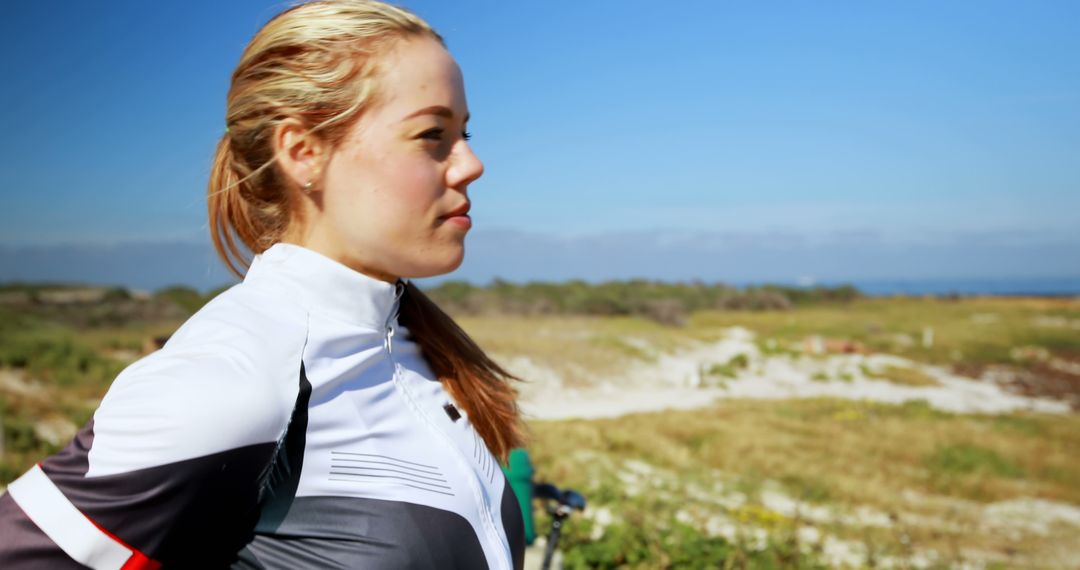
x=168, y=472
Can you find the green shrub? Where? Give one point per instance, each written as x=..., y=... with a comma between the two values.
x=966, y=458
x=731, y=368
x=666, y=303
x=653, y=541
x=56, y=357
x=185, y=297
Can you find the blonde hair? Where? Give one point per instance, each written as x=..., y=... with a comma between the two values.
x=318, y=63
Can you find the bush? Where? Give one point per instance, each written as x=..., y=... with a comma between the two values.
x=666, y=303
x=654, y=542
x=186, y=298
x=965, y=458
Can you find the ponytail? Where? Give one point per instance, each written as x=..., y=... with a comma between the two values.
x=224, y=203
x=475, y=381
x=247, y=211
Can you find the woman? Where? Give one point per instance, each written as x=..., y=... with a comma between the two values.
x=322, y=413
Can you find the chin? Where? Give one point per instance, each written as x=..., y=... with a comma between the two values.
x=443, y=266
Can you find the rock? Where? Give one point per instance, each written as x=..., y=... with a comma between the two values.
x=55, y=430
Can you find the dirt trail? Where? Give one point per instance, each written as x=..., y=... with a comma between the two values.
x=681, y=381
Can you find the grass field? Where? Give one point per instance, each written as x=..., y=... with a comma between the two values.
x=973, y=332
x=1034, y=339
x=795, y=484
x=736, y=484
x=903, y=486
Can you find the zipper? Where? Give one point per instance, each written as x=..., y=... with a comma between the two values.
x=389, y=328
x=486, y=517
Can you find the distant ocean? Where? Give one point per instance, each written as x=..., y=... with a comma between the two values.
x=1058, y=286
x=152, y=266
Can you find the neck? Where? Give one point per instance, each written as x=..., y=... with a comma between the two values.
x=322, y=247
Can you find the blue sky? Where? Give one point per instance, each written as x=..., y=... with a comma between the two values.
x=909, y=122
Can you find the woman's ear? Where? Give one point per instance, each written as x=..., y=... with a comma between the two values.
x=300, y=155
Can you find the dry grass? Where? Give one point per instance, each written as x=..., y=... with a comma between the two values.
x=902, y=375
x=576, y=347
x=909, y=461
x=843, y=454
x=971, y=331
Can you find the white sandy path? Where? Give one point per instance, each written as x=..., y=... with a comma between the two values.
x=677, y=381
x=573, y=403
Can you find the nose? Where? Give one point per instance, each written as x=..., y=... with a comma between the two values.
x=465, y=168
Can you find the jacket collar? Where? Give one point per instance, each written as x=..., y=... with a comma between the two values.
x=327, y=287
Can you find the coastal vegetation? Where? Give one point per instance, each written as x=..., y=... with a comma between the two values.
x=807, y=482
x=667, y=303
x=764, y=482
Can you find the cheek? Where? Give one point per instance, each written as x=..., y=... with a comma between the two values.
x=380, y=195
x=412, y=176
x=408, y=188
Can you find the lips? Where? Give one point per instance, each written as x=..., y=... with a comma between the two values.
x=462, y=210
x=459, y=217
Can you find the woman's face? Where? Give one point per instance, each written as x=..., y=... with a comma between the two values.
x=394, y=201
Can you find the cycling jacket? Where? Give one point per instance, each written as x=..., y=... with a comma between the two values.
x=290, y=423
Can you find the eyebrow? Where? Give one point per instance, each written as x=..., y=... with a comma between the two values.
x=434, y=110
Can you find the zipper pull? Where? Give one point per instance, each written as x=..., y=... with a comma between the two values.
x=399, y=290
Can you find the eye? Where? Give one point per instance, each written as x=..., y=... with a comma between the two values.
x=436, y=134
x=432, y=134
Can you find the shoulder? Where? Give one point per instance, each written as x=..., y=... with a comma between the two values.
x=248, y=325
x=228, y=378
